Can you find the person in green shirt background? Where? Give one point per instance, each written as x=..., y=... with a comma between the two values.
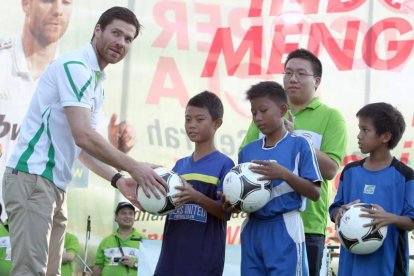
x=117, y=254
x=325, y=127
x=71, y=249
x=5, y=248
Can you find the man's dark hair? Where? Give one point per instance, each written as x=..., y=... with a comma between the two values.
x=385, y=118
x=120, y=13
x=269, y=89
x=309, y=56
x=209, y=100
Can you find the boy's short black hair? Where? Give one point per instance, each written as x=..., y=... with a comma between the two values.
x=385, y=118
x=120, y=13
x=269, y=89
x=209, y=100
x=309, y=56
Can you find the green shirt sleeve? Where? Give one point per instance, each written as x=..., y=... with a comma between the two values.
x=100, y=257
x=71, y=243
x=335, y=138
x=251, y=135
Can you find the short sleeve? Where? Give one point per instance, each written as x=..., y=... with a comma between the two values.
x=71, y=243
x=100, y=257
x=308, y=165
x=335, y=137
x=75, y=83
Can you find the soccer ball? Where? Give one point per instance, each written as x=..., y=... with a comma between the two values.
x=164, y=205
x=356, y=238
x=244, y=191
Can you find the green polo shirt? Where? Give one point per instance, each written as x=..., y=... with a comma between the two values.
x=109, y=249
x=71, y=245
x=325, y=127
x=5, y=250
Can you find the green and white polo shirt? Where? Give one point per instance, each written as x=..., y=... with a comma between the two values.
x=108, y=252
x=45, y=145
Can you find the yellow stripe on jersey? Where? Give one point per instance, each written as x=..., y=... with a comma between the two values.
x=201, y=177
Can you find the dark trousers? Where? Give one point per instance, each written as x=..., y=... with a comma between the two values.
x=314, y=249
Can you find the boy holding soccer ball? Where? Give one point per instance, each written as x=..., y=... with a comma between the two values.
x=386, y=183
x=273, y=240
x=195, y=233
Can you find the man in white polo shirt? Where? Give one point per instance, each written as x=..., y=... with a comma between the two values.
x=58, y=128
x=23, y=59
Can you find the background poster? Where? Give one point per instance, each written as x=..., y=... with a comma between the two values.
x=185, y=47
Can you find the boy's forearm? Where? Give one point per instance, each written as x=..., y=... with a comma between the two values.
x=303, y=186
x=334, y=214
x=327, y=166
x=403, y=222
x=211, y=206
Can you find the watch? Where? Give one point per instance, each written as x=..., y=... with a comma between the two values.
x=115, y=178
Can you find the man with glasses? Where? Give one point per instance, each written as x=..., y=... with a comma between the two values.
x=325, y=127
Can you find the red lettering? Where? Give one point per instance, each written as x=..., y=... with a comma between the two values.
x=343, y=58
x=232, y=236
x=177, y=27
x=401, y=49
x=280, y=46
x=306, y=6
x=153, y=236
x=255, y=9
x=343, y=6
x=209, y=27
x=222, y=43
x=167, y=70
x=347, y=159
x=277, y=7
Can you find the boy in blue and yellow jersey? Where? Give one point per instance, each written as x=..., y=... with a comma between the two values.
x=273, y=239
x=386, y=183
x=195, y=233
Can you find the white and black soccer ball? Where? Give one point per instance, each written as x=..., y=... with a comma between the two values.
x=243, y=189
x=354, y=236
x=164, y=205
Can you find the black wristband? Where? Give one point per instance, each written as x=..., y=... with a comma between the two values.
x=115, y=179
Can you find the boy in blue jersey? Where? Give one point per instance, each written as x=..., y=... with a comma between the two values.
x=386, y=183
x=195, y=233
x=272, y=239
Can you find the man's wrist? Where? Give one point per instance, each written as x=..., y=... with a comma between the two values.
x=115, y=179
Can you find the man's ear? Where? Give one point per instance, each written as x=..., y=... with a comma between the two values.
x=317, y=82
x=97, y=30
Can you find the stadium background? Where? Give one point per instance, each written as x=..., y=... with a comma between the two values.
x=185, y=47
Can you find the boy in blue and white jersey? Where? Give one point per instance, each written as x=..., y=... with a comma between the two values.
x=195, y=233
x=386, y=183
x=273, y=241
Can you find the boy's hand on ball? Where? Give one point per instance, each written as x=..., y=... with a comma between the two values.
x=269, y=169
x=187, y=194
x=342, y=210
x=226, y=204
x=379, y=217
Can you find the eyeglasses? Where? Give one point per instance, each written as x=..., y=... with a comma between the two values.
x=298, y=75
